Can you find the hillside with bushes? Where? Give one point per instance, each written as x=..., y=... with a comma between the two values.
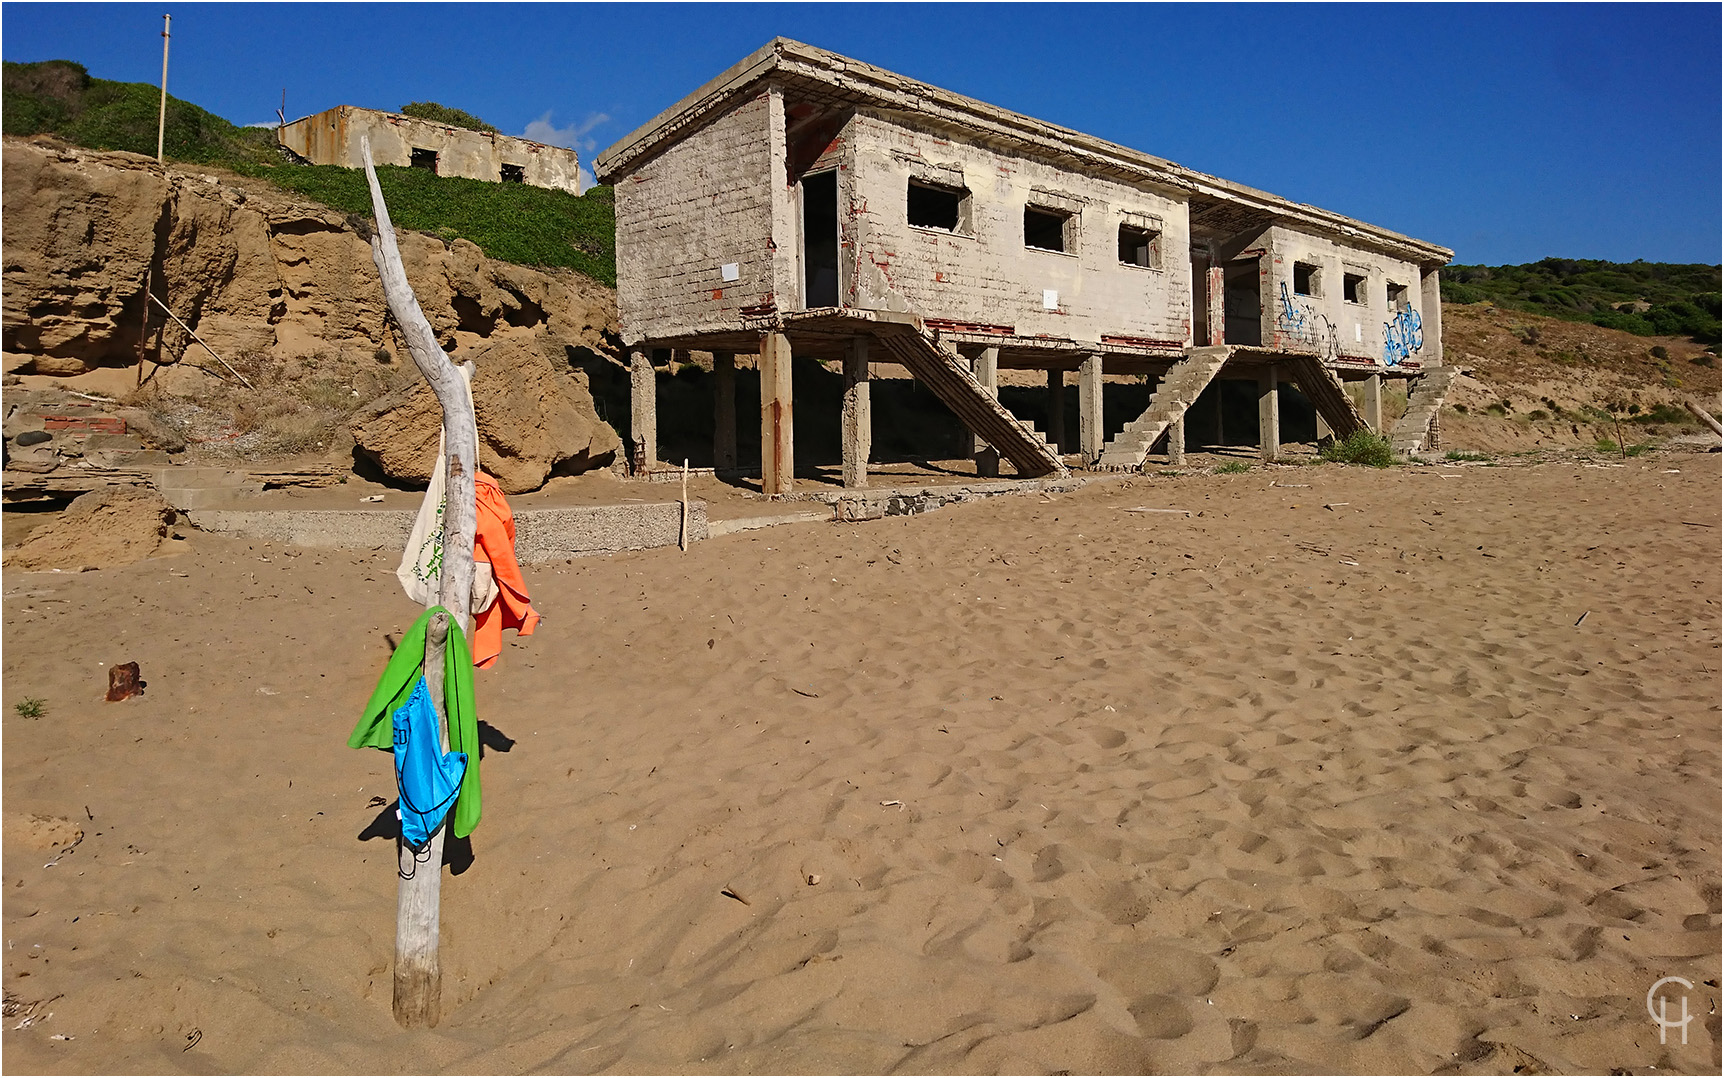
x=529, y=226
x=1646, y=299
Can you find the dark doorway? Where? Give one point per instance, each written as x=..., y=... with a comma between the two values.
x=820, y=240
x=1244, y=303
x=425, y=159
x=514, y=174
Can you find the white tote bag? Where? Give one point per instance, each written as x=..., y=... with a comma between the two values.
x=422, y=561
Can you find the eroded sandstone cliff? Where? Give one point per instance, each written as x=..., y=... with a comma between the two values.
x=271, y=280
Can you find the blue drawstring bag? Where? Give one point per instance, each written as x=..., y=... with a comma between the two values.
x=428, y=777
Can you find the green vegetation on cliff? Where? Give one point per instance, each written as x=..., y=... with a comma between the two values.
x=1644, y=298
x=59, y=97
x=511, y=222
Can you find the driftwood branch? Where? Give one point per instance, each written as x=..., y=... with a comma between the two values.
x=200, y=340
x=418, y=981
x=1701, y=414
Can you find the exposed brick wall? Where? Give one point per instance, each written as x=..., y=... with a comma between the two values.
x=705, y=201
x=988, y=275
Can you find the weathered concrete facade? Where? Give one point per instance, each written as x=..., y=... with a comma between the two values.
x=811, y=199
x=332, y=138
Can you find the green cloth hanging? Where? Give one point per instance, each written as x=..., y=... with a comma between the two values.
x=376, y=728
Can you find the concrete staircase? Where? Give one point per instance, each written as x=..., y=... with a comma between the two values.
x=1417, y=430
x=949, y=378
x=1185, y=380
x=1325, y=391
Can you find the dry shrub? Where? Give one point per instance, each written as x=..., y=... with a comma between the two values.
x=294, y=406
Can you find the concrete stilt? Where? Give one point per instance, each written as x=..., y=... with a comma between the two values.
x=1374, y=402
x=1431, y=331
x=1057, y=408
x=1269, y=411
x=1217, y=305
x=856, y=429
x=643, y=410
x=986, y=367
x=777, y=426
x=1176, y=441
x=723, y=412
x=1089, y=409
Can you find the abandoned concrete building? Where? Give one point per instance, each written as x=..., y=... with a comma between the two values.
x=332, y=138
x=803, y=203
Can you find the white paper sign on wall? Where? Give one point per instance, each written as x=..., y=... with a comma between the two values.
x=1050, y=299
x=730, y=271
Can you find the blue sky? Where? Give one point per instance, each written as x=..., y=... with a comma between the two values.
x=1507, y=132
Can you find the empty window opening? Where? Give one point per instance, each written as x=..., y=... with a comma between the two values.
x=425, y=159
x=1046, y=229
x=820, y=240
x=514, y=174
x=1139, y=246
x=931, y=206
x=1353, y=287
x=1397, y=296
x=1305, y=279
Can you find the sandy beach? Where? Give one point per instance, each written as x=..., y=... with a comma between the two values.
x=1413, y=770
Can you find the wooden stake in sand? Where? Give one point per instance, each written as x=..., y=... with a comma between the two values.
x=682, y=536
x=418, y=983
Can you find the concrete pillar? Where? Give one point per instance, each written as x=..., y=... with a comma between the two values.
x=1217, y=304
x=1089, y=408
x=777, y=426
x=986, y=366
x=1374, y=402
x=1431, y=318
x=1176, y=440
x=643, y=409
x=1057, y=408
x=723, y=412
x=1269, y=411
x=856, y=430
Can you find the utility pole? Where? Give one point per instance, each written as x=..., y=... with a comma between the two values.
x=162, y=118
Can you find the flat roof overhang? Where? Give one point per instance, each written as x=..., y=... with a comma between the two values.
x=827, y=77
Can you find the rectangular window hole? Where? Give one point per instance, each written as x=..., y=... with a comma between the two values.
x=425, y=159
x=1139, y=246
x=1397, y=296
x=1047, y=230
x=514, y=174
x=932, y=206
x=1353, y=287
x=1305, y=279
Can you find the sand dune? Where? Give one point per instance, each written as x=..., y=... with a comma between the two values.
x=1320, y=778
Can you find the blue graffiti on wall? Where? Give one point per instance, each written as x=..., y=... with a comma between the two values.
x=1302, y=323
x=1402, y=336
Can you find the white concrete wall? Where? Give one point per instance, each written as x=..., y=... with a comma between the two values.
x=1325, y=319
x=708, y=200
x=985, y=274
x=332, y=138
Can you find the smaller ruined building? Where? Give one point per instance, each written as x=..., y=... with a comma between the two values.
x=332, y=138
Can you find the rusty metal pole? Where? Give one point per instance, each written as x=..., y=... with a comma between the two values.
x=162, y=116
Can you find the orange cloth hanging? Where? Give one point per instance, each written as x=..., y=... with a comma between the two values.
x=494, y=542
